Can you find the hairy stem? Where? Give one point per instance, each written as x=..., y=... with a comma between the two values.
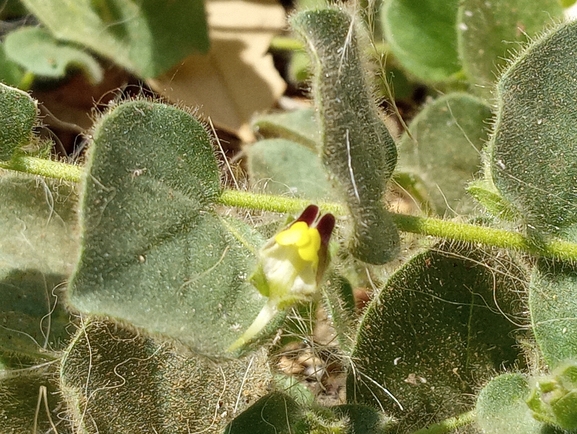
x=406, y=223
x=42, y=167
x=414, y=224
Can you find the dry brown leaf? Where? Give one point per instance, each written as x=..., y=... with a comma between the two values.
x=236, y=78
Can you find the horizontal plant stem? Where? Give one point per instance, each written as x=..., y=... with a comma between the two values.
x=483, y=235
x=280, y=204
x=285, y=43
x=406, y=223
x=414, y=224
x=43, y=167
x=448, y=425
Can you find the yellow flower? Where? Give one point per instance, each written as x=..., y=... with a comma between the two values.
x=292, y=263
x=291, y=266
x=306, y=240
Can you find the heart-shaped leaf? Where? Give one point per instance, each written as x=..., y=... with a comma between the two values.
x=154, y=252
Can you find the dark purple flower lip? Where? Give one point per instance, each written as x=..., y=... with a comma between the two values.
x=325, y=224
x=309, y=215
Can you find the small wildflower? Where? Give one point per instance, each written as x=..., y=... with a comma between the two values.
x=291, y=265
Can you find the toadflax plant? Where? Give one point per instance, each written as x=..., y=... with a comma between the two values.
x=135, y=299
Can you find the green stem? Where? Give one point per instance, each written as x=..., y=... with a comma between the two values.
x=265, y=202
x=414, y=224
x=40, y=166
x=448, y=425
x=26, y=81
x=406, y=223
x=284, y=43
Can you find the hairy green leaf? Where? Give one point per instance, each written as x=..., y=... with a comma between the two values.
x=278, y=413
x=31, y=402
x=340, y=303
x=116, y=380
x=154, y=251
x=299, y=126
x=489, y=32
x=553, y=398
x=485, y=192
x=363, y=419
x=444, y=322
x=17, y=117
x=501, y=407
x=275, y=413
x=282, y=167
x=38, y=245
x=358, y=150
x=443, y=145
x=533, y=151
x=553, y=304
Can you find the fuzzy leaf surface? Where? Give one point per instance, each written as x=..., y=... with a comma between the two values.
x=37, y=249
x=443, y=147
x=278, y=413
x=444, y=321
x=553, y=305
x=533, y=151
x=501, y=407
x=357, y=149
x=489, y=32
x=284, y=167
x=340, y=303
x=146, y=38
x=17, y=117
x=31, y=402
x=363, y=419
x=116, y=380
x=485, y=192
x=154, y=252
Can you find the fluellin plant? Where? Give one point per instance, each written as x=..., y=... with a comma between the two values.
x=134, y=301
